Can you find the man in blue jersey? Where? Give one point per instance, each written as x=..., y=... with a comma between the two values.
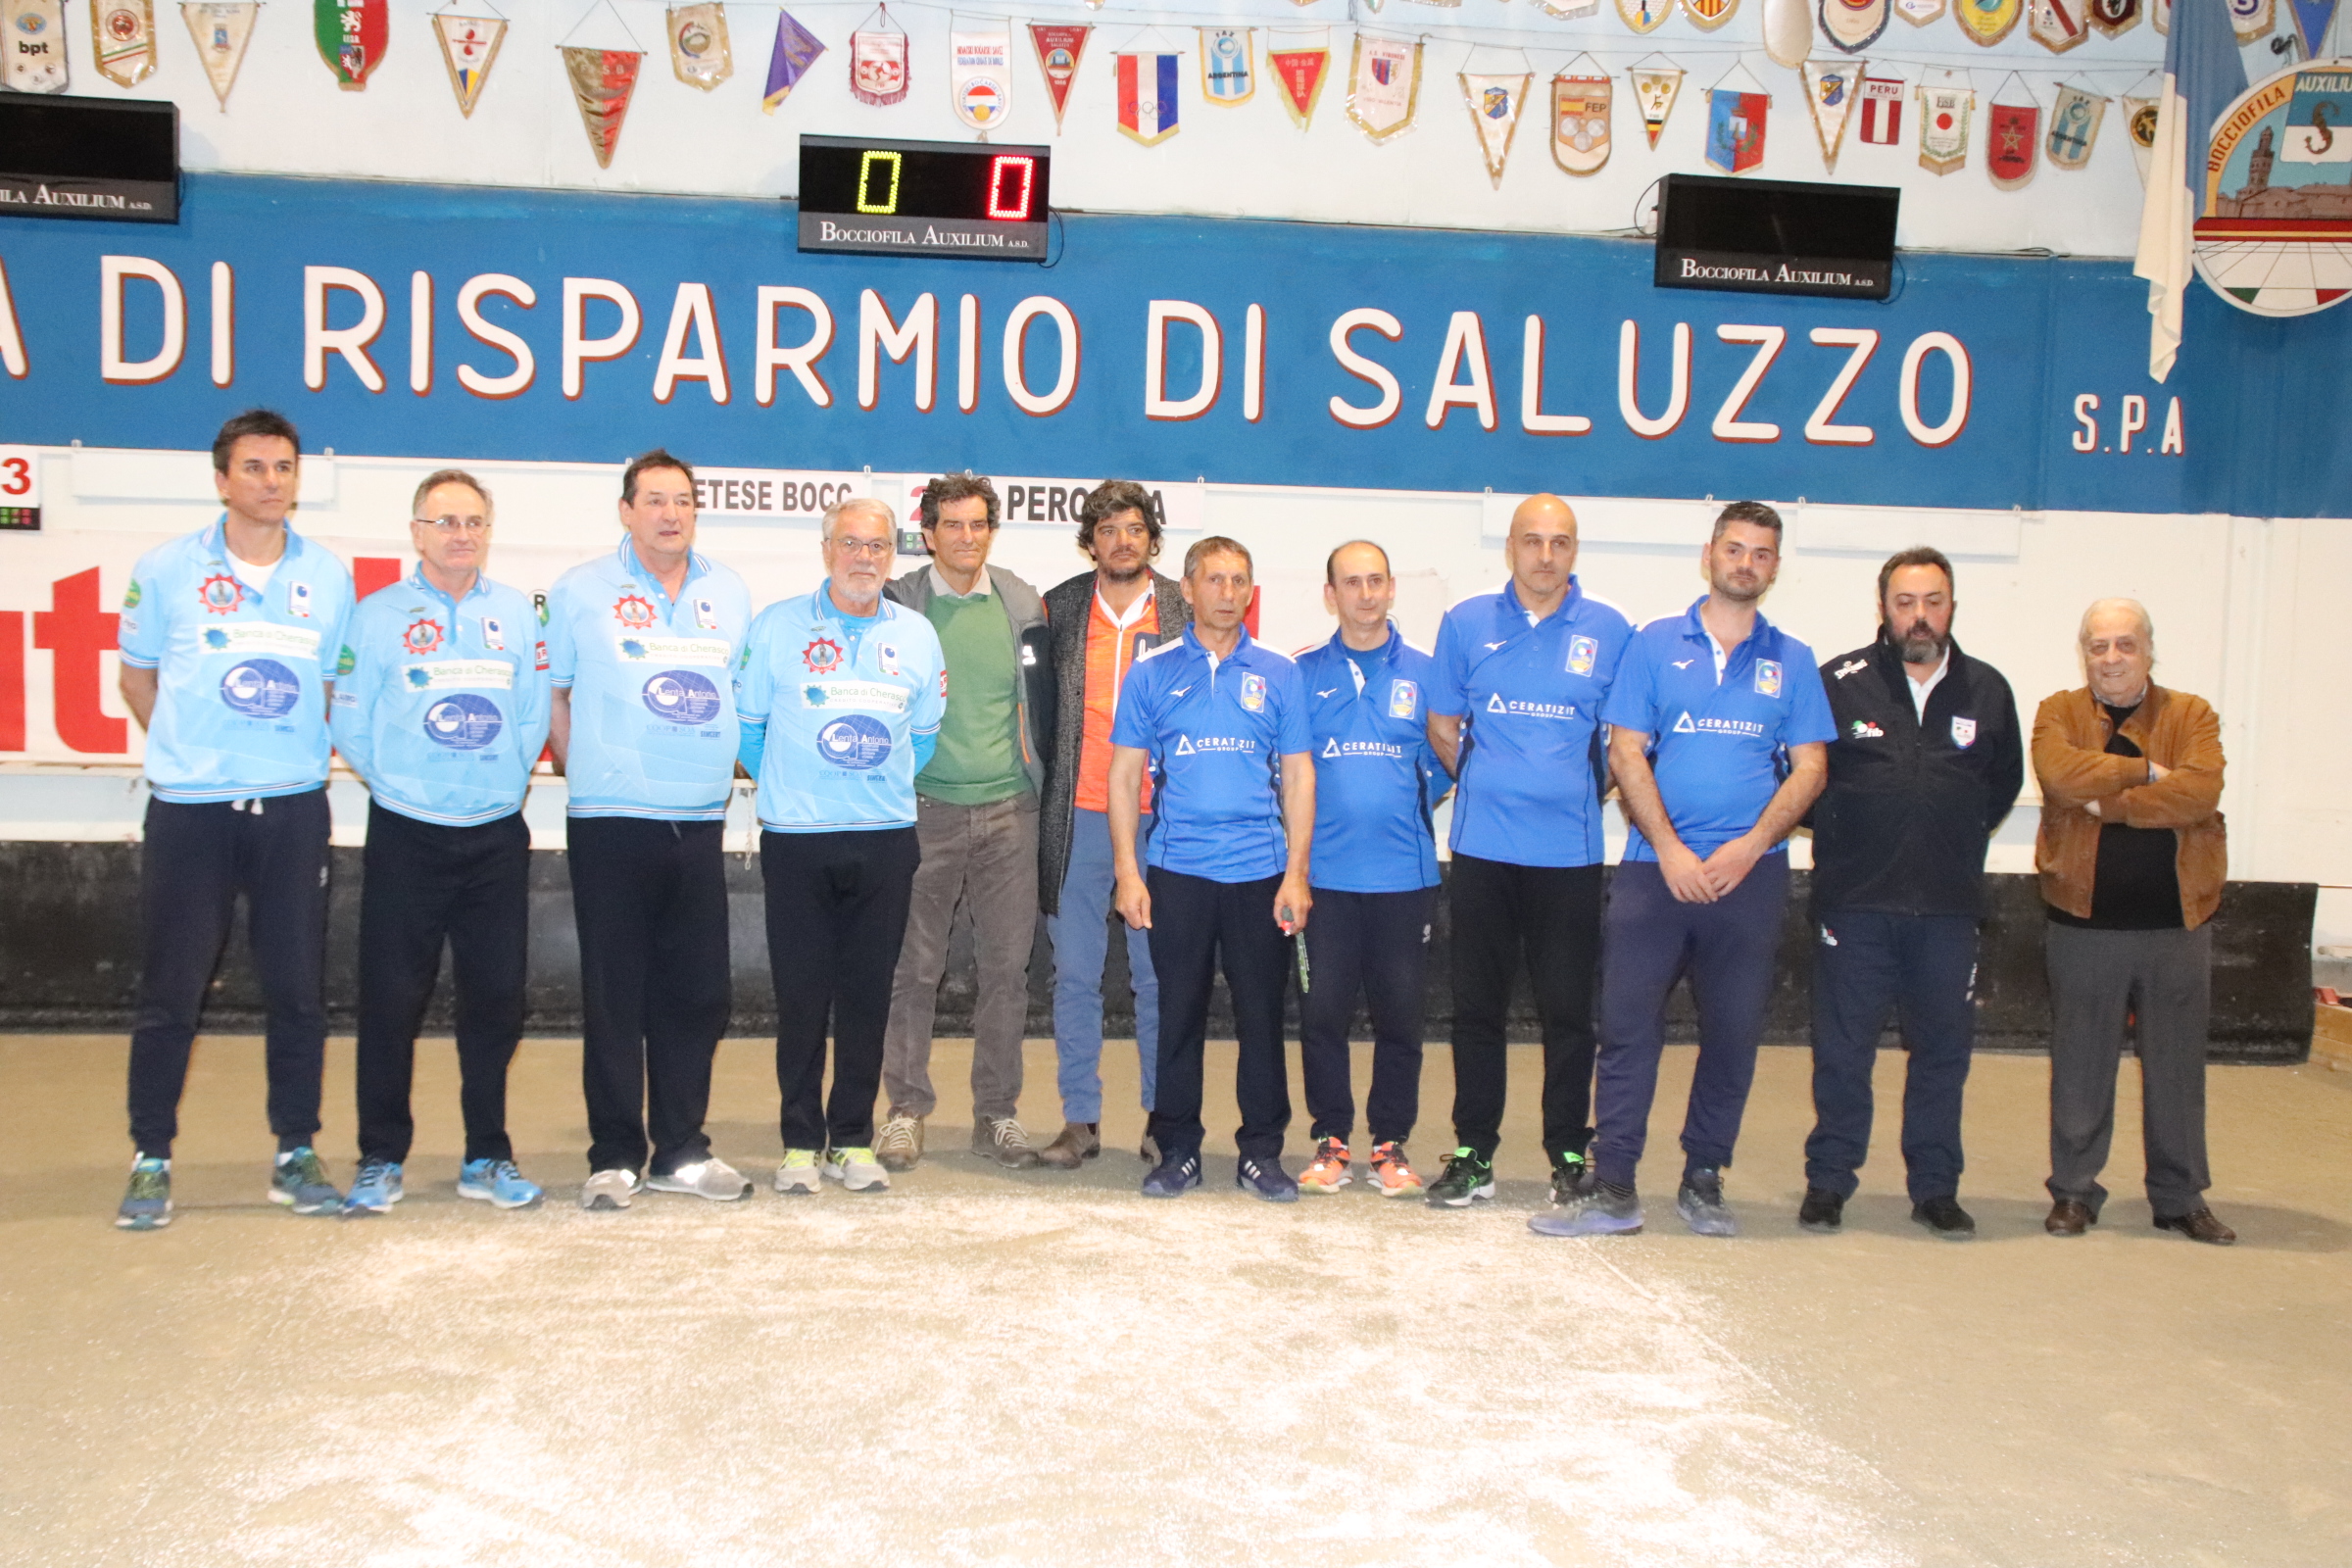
x=642, y=645
x=226, y=640
x=1514, y=713
x=440, y=707
x=1373, y=871
x=1221, y=721
x=1720, y=743
x=841, y=692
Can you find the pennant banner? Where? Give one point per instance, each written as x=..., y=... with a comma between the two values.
x=1852, y=25
x=1644, y=15
x=123, y=39
x=468, y=48
x=2057, y=24
x=602, y=80
x=2311, y=24
x=1495, y=103
x=1735, y=128
x=1300, y=73
x=698, y=55
x=1384, y=85
x=1709, y=15
x=1227, y=73
x=35, y=30
x=2074, y=127
x=1148, y=97
x=1580, y=123
x=2159, y=12
x=1831, y=88
x=1059, y=47
x=2117, y=17
x=2139, y=124
x=1919, y=12
x=1655, y=88
x=980, y=76
x=795, y=50
x=1788, y=32
x=1943, y=113
x=2013, y=132
x=878, y=64
x=2251, y=19
x=351, y=35
x=221, y=29
x=1882, y=110
x=1988, y=22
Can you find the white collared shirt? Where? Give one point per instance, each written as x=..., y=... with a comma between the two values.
x=940, y=585
x=1921, y=690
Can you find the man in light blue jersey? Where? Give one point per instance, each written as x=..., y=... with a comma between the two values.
x=1221, y=722
x=1514, y=713
x=440, y=707
x=1373, y=871
x=841, y=693
x=226, y=640
x=641, y=646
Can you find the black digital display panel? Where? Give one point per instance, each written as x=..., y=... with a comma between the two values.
x=1776, y=236
x=978, y=201
x=89, y=158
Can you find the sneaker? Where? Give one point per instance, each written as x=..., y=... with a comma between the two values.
x=1327, y=1172
x=147, y=1201
x=798, y=1173
x=1077, y=1143
x=1944, y=1217
x=376, y=1188
x=299, y=1181
x=609, y=1190
x=1571, y=1178
x=899, y=1145
x=1466, y=1178
x=1173, y=1176
x=1823, y=1212
x=1700, y=1203
x=1393, y=1175
x=1605, y=1210
x=856, y=1170
x=709, y=1177
x=498, y=1183
x=1266, y=1179
x=1003, y=1139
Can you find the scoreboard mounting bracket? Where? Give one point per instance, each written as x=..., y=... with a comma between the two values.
x=956, y=200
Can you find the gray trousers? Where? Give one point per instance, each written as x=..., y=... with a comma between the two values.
x=2099, y=979
x=985, y=857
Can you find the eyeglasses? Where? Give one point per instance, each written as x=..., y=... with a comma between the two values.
x=873, y=549
x=457, y=524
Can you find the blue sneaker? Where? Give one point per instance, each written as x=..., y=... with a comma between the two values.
x=1175, y=1175
x=299, y=1181
x=147, y=1201
x=1700, y=1203
x=376, y=1188
x=498, y=1183
x=1602, y=1212
x=1266, y=1179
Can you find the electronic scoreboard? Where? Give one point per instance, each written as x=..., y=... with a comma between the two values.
x=963, y=200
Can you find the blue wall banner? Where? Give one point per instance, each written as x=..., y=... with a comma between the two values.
x=470, y=324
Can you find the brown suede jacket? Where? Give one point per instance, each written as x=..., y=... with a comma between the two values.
x=2173, y=729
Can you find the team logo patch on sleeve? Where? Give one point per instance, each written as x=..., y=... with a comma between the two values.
x=823, y=656
x=421, y=637
x=130, y=595
x=632, y=612
x=1964, y=733
x=1768, y=678
x=1403, y=697
x=1581, y=652
x=346, y=661
x=1253, y=693
x=540, y=658
x=222, y=594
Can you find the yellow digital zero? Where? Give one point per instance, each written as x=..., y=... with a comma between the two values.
x=865, y=184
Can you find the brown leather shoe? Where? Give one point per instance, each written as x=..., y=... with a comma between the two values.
x=2068, y=1219
x=2200, y=1226
x=899, y=1145
x=1077, y=1144
x=1002, y=1139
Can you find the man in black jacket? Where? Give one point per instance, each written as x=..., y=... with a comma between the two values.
x=1927, y=762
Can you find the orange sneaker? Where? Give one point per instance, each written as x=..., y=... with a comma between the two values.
x=1327, y=1172
x=1392, y=1174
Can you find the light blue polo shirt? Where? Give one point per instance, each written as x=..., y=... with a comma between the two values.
x=1376, y=779
x=441, y=703
x=1529, y=699
x=240, y=703
x=839, y=712
x=652, y=680
x=1216, y=731
x=1718, y=747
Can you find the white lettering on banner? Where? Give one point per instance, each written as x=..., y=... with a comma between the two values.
x=1531, y=417
x=968, y=353
x=1465, y=346
x=1955, y=418
x=113, y=272
x=469, y=314
x=1729, y=426
x=1628, y=375
x=12, y=333
x=800, y=359
x=259, y=637
x=1158, y=404
x=878, y=334
x=711, y=653
x=318, y=340
x=446, y=675
x=1818, y=429
x=421, y=330
x=1016, y=350
x=1392, y=396
x=578, y=347
x=785, y=494
x=2132, y=419
x=874, y=696
x=692, y=313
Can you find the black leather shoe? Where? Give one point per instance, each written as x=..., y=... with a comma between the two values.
x=1944, y=1217
x=2069, y=1217
x=1823, y=1212
x=2200, y=1226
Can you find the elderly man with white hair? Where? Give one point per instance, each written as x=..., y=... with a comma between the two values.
x=2132, y=854
x=840, y=695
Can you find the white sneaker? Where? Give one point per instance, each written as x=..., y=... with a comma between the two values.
x=609, y=1190
x=798, y=1173
x=711, y=1177
x=856, y=1169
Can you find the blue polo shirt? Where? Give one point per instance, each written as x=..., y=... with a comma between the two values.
x=1530, y=697
x=1216, y=731
x=1376, y=779
x=839, y=712
x=652, y=680
x=240, y=701
x=1718, y=747
x=440, y=703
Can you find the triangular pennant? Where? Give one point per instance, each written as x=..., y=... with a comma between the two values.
x=1384, y=85
x=1228, y=75
x=123, y=39
x=2311, y=24
x=1919, y=12
x=1709, y=15
x=2252, y=19
x=1831, y=87
x=1059, y=47
x=699, y=51
x=1735, y=122
x=1148, y=106
x=221, y=29
x=2074, y=127
x=1655, y=88
x=2159, y=12
x=2013, y=132
x=2115, y=17
x=1882, y=110
x=603, y=81
x=468, y=48
x=878, y=67
x=1852, y=25
x=351, y=37
x=980, y=75
x=35, y=30
x=1301, y=73
x=1988, y=22
x=2140, y=124
x=1943, y=113
x=2057, y=24
x=1580, y=123
x=795, y=50
x=1788, y=32
x=1494, y=101
x=1644, y=15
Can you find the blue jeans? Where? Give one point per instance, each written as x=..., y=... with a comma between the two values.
x=1081, y=935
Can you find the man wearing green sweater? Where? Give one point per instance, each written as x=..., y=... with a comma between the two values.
x=976, y=818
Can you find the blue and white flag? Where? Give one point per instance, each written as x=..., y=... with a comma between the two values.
x=1226, y=74
x=2202, y=76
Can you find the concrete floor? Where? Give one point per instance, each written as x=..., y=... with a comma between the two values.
x=986, y=1367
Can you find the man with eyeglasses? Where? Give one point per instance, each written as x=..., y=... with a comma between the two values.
x=440, y=707
x=976, y=821
x=642, y=645
x=841, y=692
